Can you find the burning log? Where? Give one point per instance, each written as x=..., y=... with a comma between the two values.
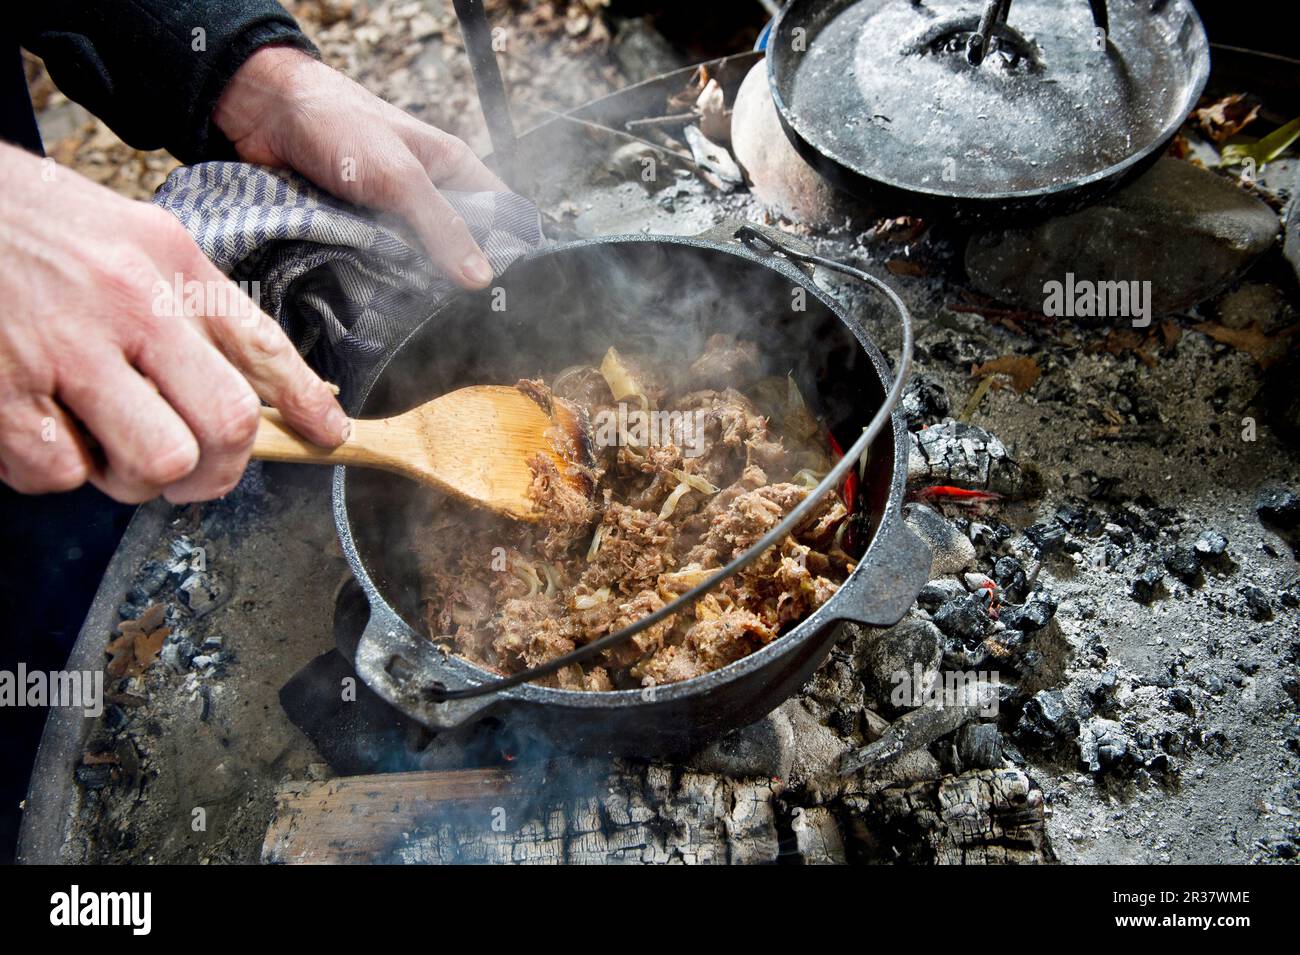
x=557, y=814
x=961, y=455
x=981, y=817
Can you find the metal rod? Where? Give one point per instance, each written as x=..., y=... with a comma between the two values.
x=995, y=13
x=492, y=97
x=1100, y=16
x=751, y=237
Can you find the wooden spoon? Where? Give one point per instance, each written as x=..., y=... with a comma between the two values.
x=480, y=444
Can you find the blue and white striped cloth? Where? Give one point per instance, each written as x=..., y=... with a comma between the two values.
x=345, y=286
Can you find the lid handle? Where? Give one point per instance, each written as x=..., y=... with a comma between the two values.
x=995, y=17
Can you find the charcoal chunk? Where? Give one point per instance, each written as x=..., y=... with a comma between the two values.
x=1211, y=549
x=924, y=402
x=1036, y=612
x=1049, y=538
x=153, y=575
x=1185, y=564
x=938, y=592
x=965, y=618
x=951, y=551
x=1257, y=602
x=1181, y=700
x=1105, y=746
x=1279, y=507
x=1010, y=576
x=1047, y=720
x=1148, y=584
x=980, y=746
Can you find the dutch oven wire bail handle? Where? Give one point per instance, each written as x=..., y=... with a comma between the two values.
x=911, y=563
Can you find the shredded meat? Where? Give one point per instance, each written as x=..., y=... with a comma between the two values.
x=668, y=512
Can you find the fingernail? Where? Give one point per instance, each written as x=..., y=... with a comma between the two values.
x=476, y=269
x=337, y=422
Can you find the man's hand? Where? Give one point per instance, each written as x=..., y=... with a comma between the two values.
x=285, y=109
x=105, y=378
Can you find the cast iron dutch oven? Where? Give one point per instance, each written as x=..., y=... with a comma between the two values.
x=567, y=305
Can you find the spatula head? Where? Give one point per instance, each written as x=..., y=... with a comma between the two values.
x=500, y=447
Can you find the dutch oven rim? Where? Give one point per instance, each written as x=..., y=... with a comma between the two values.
x=890, y=515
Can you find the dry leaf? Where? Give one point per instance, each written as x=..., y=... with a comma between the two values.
x=903, y=229
x=907, y=267
x=1223, y=119
x=148, y=648
x=152, y=618
x=1126, y=340
x=139, y=645
x=1021, y=369
x=1267, y=350
x=715, y=121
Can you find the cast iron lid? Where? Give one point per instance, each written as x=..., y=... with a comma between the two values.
x=984, y=99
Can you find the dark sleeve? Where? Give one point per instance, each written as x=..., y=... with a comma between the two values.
x=153, y=70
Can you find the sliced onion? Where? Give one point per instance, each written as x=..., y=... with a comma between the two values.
x=799, y=422
x=838, y=541
x=596, y=538
x=528, y=574
x=552, y=583
x=588, y=601
x=695, y=481
x=670, y=504
x=668, y=584
x=619, y=378
x=808, y=478
x=463, y=616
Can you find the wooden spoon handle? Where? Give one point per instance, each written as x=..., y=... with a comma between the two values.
x=276, y=441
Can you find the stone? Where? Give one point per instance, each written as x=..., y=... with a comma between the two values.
x=951, y=551
x=906, y=654
x=1185, y=230
x=779, y=177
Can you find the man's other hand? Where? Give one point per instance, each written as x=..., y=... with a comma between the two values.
x=285, y=109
